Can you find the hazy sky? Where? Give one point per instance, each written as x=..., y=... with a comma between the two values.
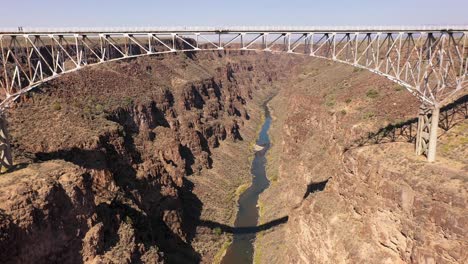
x=75, y=13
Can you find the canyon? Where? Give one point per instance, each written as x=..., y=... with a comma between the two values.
x=344, y=172
x=144, y=160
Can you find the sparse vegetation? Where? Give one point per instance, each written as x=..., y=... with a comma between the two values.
x=372, y=94
x=128, y=220
x=217, y=231
x=257, y=253
x=219, y=256
x=398, y=88
x=304, y=75
x=348, y=100
x=398, y=122
x=345, y=84
x=241, y=189
x=99, y=108
x=330, y=102
x=261, y=209
x=128, y=101
x=457, y=139
x=368, y=115
x=56, y=106
x=273, y=177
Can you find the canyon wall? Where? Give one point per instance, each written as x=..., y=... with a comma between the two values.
x=123, y=162
x=143, y=160
x=343, y=170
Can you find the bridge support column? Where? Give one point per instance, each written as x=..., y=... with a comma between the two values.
x=426, y=137
x=6, y=161
x=432, y=148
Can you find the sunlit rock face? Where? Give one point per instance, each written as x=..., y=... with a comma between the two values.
x=345, y=172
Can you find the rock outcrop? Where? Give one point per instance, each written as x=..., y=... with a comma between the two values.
x=139, y=160
x=105, y=156
x=344, y=171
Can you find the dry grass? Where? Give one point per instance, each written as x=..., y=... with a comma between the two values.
x=221, y=252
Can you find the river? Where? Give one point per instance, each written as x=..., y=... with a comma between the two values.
x=241, y=250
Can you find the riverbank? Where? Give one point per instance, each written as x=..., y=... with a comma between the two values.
x=232, y=167
x=241, y=250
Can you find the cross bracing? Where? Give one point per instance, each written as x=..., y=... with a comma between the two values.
x=430, y=62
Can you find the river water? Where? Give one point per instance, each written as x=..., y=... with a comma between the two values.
x=241, y=250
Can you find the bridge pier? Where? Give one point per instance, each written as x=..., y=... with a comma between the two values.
x=426, y=137
x=6, y=160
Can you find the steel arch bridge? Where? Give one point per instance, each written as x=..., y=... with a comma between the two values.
x=430, y=62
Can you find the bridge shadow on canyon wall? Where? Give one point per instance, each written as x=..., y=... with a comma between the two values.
x=138, y=201
x=450, y=115
x=244, y=230
x=311, y=188
x=145, y=219
x=144, y=212
x=159, y=222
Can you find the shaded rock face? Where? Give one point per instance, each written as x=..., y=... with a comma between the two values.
x=105, y=177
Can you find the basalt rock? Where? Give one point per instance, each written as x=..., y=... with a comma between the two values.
x=105, y=155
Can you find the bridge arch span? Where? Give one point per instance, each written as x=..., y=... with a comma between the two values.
x=430, y=62
x=10, y=98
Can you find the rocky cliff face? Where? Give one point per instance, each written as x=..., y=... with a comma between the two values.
x=345, y=174
x=104, y=158
x=141, y=160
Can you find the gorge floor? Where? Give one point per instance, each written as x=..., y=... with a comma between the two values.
x=245, y=227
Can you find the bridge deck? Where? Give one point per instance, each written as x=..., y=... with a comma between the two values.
x=234, y=29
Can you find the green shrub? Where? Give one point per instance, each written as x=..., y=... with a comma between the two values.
x=56, y=106
x=128, y=220
x=217, y=231
x=330, y=102
x=348, y=100
x=99, y=108
x=398, y=88
x=372, y=94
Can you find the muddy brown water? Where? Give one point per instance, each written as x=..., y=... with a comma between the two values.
x=242, y=250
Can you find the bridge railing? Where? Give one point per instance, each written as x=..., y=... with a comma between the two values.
x=329, y=29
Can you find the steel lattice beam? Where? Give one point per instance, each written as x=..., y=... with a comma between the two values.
x=431, y=62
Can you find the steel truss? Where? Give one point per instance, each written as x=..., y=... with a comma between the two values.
x=432, y=64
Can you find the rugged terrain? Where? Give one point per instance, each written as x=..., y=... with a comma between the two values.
x=127, y=162
x=143, y=160
x=344, y=172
